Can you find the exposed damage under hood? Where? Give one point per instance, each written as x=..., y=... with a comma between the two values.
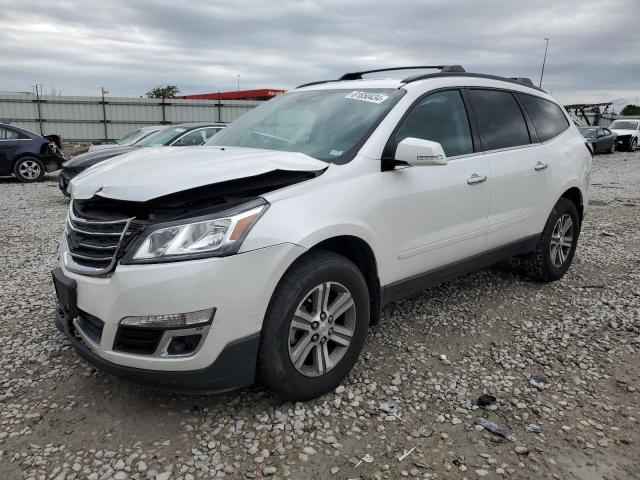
x=170, y=183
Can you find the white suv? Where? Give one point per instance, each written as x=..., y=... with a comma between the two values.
x=269, y=252
x=627, y=133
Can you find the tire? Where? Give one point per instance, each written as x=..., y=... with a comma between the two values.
x=29, y=169
x=612, y=148
x=282, y=341
x=633, y=146
x=593, y=147
x=543, y=264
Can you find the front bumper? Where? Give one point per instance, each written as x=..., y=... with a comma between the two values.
x=234, y=368
x=239, y=287
x=623, y=141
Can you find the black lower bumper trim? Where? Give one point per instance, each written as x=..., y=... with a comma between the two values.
x=234, y=368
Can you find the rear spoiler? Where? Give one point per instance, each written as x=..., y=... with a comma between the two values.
x=57, y=139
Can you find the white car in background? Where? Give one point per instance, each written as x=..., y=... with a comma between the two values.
x=129, y=139
x=267, y=253
x=627, y=132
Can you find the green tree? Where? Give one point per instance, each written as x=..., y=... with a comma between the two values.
x=168, y=91
x=630, y=110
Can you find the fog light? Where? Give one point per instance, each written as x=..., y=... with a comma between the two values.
x=190, y=319
x=183, y=345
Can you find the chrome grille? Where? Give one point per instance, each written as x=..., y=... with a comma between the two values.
x=95, y=245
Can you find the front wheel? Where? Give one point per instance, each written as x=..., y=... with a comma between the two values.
x=314, y=328
x=554, y=253
x=29, y=169
x=634, y=145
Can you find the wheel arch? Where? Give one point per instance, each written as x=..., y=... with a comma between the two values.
x=361, y=254
x=575, y=195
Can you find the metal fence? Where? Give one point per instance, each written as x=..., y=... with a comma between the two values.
x=92, y=119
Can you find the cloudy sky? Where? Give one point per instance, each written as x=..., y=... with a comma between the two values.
x=131, y=46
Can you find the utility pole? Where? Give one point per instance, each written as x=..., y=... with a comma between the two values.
x=104, y=114
x=39, y=107
x=238, y=82
x=544, y=61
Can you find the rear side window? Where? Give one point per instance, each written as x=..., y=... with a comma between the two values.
x=8, y=134
x=440, y=117
x=499, y=118
x=547, y=117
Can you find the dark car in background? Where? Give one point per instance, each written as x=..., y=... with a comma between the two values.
x=27, y=155
x=601, y=139
x=181, y=135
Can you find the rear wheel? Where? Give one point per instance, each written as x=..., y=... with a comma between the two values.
x=29, y=169
x=593, y=147
x=314, y=328
x=612, y=148
x=553, y=255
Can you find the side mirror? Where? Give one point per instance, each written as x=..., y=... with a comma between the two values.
x=420, y=153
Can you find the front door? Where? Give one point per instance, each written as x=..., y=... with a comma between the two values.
x=434, y=216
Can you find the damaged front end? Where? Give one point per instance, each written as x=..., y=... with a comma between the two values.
x=205, y=221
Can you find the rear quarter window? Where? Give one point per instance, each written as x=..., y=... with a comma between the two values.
x=9, y=134
x=547, y=117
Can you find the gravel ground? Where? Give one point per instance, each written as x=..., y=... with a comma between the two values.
x=562, y=361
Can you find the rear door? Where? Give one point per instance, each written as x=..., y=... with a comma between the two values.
x=10, y=141
x=436, y=215
x=519, y=174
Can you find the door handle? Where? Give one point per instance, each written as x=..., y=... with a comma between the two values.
x=540, y=166
x=475, y=178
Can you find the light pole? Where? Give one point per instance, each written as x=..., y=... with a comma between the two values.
x=544, y=61
x=238, y=82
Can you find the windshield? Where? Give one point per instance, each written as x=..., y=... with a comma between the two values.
x=624, y=125
x=588, y=132
x=329, y=125
x=162, y=137
x=128, y=137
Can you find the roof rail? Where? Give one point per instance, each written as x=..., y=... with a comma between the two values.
x=442, y=68
x=519, y=80
x=523, y=80
x=358, y=75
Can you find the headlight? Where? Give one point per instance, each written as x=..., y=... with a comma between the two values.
x=198, y=239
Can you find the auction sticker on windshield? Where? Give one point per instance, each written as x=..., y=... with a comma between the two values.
x=367, y=97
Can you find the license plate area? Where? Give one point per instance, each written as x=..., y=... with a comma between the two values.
x=66, y=291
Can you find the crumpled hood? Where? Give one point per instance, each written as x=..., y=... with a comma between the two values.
x=92, y=157
x=623, y=132
x=150, y=173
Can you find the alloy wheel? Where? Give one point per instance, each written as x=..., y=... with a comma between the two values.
x=29, y=169
x=321, y=329
x=561, y=240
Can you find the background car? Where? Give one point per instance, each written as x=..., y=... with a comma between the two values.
x=182, y=135
x=27, y=155
x=628, y=133
x=130, y=138
x=601, y=139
